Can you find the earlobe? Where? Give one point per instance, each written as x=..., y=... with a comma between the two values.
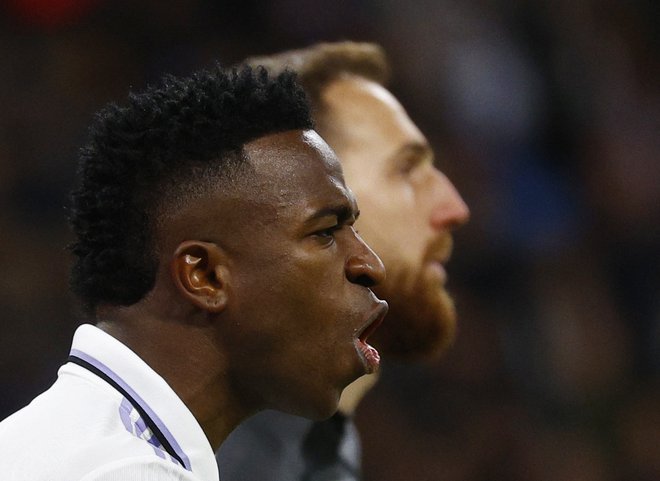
x=200, y=274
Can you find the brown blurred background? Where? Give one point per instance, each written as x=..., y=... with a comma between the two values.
x=546, y=114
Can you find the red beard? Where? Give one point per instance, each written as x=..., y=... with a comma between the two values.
x=421, y=322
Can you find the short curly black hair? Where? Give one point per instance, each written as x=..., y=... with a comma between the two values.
x=170, y=134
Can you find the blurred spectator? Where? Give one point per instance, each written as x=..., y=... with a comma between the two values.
x=545, y=113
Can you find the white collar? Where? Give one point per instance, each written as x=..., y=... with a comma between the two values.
x=152, y=393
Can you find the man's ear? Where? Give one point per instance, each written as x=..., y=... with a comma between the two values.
x=200, y=273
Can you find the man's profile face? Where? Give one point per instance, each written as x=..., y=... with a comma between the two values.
x=408, y=211
x=299, y=276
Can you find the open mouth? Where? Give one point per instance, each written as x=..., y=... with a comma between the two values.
x=368, y=353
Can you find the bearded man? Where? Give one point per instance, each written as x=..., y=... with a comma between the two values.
x=409, y=209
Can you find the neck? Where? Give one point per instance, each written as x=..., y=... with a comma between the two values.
x=188, y=359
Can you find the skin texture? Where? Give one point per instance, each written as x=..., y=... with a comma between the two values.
x=409, y=209
x=262, y=290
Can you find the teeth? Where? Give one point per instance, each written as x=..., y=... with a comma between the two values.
x=371, y=356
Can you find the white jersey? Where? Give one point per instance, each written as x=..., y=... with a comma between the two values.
x=108, y=417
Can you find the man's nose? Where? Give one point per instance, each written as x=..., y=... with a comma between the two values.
x=364, y=267
x=450, y=210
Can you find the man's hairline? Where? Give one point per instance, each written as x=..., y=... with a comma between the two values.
x=218, y=184
x=419, y=146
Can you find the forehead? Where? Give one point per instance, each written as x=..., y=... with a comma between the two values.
x=297, y=152
x=365, y=114
x=296, y=170
x=289, y=177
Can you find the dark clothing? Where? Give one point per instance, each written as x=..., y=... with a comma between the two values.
x=273, y=446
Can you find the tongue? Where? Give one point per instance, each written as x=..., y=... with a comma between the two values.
x=371, y=356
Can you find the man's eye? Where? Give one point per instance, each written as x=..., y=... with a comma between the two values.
x=329, y=232
x=410, y=166
x=406, y=169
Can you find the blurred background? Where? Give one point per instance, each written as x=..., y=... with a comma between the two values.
x=544, y=113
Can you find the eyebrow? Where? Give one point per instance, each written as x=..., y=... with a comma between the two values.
x=343, y=212
x=417, y=149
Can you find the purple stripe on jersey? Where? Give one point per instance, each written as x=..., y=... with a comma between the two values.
x=159, y=453
x=125, y=409
x=138, y=427
x=153, y=440
x=163, y=454
x=157, y=421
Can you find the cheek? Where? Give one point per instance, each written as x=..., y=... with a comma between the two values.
x=394, y=229
x=301, y=289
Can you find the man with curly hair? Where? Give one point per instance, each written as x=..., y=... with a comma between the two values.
x=409, y=209
x=216, y=258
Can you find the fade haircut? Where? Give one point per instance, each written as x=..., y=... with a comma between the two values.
x=320, y=64
x=156, y=151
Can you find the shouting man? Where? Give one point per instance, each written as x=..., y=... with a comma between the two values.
x=409, y=209
x=222, y=275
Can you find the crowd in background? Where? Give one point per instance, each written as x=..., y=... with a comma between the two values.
x=544, y=113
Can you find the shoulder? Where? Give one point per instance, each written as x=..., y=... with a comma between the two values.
x=69, y=440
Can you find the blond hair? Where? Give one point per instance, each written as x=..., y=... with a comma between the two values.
x=320, y=64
